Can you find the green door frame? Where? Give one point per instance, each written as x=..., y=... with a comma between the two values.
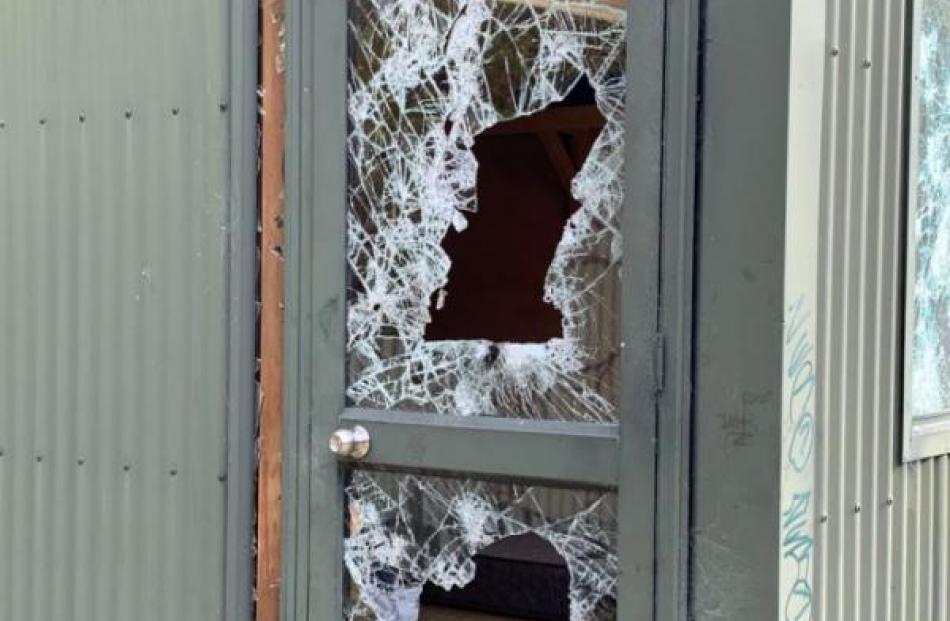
x=656, y=331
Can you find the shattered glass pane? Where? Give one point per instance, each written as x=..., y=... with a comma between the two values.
x=406, y=531
x=930, y=387
x=427, y=79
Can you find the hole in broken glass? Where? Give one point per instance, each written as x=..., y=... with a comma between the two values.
x=519, y=577
x=501, y=257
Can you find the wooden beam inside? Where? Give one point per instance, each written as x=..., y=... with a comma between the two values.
x=604, y=10
x=567, y=119
x=560, y=159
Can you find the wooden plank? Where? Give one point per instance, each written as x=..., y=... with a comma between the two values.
x=272, y=302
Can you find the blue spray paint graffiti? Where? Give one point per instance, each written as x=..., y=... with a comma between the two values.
x=798, y=516
x=797, y=545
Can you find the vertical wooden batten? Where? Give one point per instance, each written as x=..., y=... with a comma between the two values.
x=271, y=319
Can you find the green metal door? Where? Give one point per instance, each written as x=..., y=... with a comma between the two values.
x=473, y=269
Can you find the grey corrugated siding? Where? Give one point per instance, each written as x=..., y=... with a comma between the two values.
x=113, y=300
x=883, y=535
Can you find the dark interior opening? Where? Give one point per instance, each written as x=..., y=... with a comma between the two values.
x=519, y=577
x=499, y=262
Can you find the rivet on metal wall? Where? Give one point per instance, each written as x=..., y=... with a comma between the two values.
x=82, y=117
x=857, y=508
x=81, y=461
x=173, y=472
x=39, y=459
x=1, y=452
x=835, y=51
x=3, y=124
x=128, y=114
x=222, y=478
x=866, y=64
x=223, y=107
x=824, y=518
x=890, y=501
x=126, y=467
x=175, y=111
x=42, y=121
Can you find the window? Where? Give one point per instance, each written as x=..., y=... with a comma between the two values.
x=927, y=336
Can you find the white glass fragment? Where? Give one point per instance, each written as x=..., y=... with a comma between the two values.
x=426, y=77
x=930, y=372
x=405, y=531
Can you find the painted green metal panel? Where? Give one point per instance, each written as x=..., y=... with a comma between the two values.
x=739, y=310
x=491, y=447
x=120, y=317
x=676, y=308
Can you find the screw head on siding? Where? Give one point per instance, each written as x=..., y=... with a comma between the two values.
x=175, y=111
x=835, y=51
x=890, y=501
x=857, y=508
x=42, y=121
x=39, y=459
x=82, y=117
x=3, y=124
x=81, y=461
x=824, y=518
x=223, y=107
x=866, y=64
x=128, y=114
x=173, y=472
x=126, y=467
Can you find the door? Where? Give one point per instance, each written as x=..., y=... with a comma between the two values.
x=472, y=309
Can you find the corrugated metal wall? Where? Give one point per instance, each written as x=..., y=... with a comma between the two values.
x=114, y=147
x=883, y=533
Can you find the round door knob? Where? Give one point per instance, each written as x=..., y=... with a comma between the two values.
x=350, y=442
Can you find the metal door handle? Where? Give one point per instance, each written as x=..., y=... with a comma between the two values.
x=350, y=442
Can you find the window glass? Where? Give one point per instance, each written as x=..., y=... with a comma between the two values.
x=927, y=390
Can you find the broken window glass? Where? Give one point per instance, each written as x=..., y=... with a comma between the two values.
x=930, y=225
x=406, y=532
x=486, y=174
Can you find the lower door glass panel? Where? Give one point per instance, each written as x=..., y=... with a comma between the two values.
x=444, y=549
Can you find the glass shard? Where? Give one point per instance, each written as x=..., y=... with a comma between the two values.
x=930, y=371
x=427, y=79
x=406, y=531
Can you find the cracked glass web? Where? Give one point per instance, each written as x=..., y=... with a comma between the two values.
x=405, y=531
x=930, y=383
x=427, y=77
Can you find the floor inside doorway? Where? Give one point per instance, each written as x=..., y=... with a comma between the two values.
x=438, y=613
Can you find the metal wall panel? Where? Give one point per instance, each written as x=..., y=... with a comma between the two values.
x=115, y=305
x=883, y=541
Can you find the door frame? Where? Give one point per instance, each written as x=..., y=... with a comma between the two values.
x=654, y=439
x=238, y=471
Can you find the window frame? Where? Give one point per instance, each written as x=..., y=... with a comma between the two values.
x=928, y=435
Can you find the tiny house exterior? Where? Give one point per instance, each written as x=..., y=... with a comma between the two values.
x=591, y=310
